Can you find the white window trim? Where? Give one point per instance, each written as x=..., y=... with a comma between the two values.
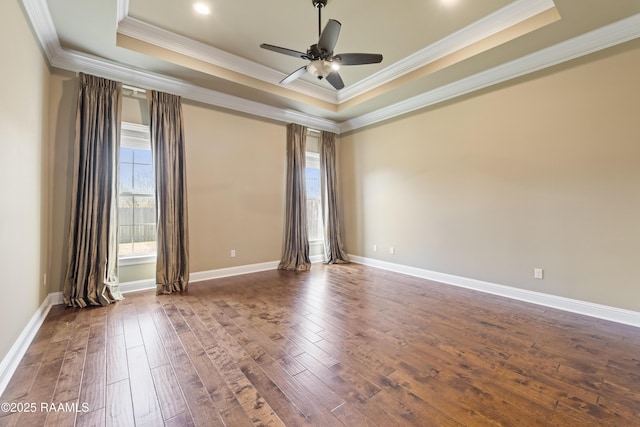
x=135, y=136
x=136, y=260
x=313, y=161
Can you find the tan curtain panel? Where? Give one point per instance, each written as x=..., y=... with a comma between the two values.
x=167, y=146
x=92, y=264
x=334, y=252
x=295, y=249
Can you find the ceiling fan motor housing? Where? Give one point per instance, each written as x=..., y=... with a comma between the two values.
x=319, y=3
x=314, y=52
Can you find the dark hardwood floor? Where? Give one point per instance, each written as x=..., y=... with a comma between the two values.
x=340, y=345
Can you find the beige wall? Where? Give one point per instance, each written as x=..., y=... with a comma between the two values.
x=235, y=180
x=23, y=175
x=541, y=172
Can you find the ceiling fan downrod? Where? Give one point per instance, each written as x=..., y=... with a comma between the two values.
x=319, y=4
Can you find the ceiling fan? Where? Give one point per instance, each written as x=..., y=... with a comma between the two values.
x=323, y=63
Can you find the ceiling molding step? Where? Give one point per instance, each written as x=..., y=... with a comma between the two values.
x=80, y=62
x=42, y=24
x=500, y=20
x=38, y=13
x=156, y=36
x=602, y=38
x=122, y=8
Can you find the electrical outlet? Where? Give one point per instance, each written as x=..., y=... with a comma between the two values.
x=233, y=253
x=375, y=248
x=392, y=250
x=538, y=273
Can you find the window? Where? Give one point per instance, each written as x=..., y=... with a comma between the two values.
x=137, y=202
x=314, y=209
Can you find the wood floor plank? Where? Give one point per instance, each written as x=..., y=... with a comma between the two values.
x=62, y=414
x=132, y=334
x=303, y=398
x=236, y=416
x=156, y=353
x=337, y=345
x=220, y=372
x=119, y=405
x=91, y=419
x=93, y=386
x=169, y=394
x=70, y=377
x=202, y=408
x=116, y=353
x=46, y=380
x=146, y=409
x=182, y=420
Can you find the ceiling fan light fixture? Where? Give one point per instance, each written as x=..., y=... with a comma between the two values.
x=320, y=68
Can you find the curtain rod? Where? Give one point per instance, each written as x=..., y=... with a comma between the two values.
x=134, y=89
x=124, y=86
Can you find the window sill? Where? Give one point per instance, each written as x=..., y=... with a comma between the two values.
x=316, y=242
x=135, y=260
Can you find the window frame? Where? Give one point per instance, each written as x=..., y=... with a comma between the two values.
x=135, y=136
x=312, y=161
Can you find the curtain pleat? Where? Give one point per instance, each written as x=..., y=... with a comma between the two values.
x=295, y=250
x=334, y=252
x=167, y=146
x=92, y=265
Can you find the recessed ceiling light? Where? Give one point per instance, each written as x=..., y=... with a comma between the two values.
x=202, y=8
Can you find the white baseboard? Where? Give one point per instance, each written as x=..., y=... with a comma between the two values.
x=243, y=269
x=19, y=348
x=232, y=271
x=599, y=311
x=55, y=298
x=137, y=285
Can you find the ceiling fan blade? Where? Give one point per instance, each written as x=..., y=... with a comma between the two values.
x=284, y=50
x=296, y=74
x=335, y=80
x=358, y=58
x=329, y=36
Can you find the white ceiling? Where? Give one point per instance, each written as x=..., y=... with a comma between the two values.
x=433, y=50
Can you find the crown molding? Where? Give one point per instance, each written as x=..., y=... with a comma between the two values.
x=156, y=36
x=500, y=20
x=80, y=62
x=602, y=38
x=43, y=27
x=122, y=10
x=65, y=59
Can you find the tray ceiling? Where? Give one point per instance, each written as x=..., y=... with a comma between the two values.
x=433, y=49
